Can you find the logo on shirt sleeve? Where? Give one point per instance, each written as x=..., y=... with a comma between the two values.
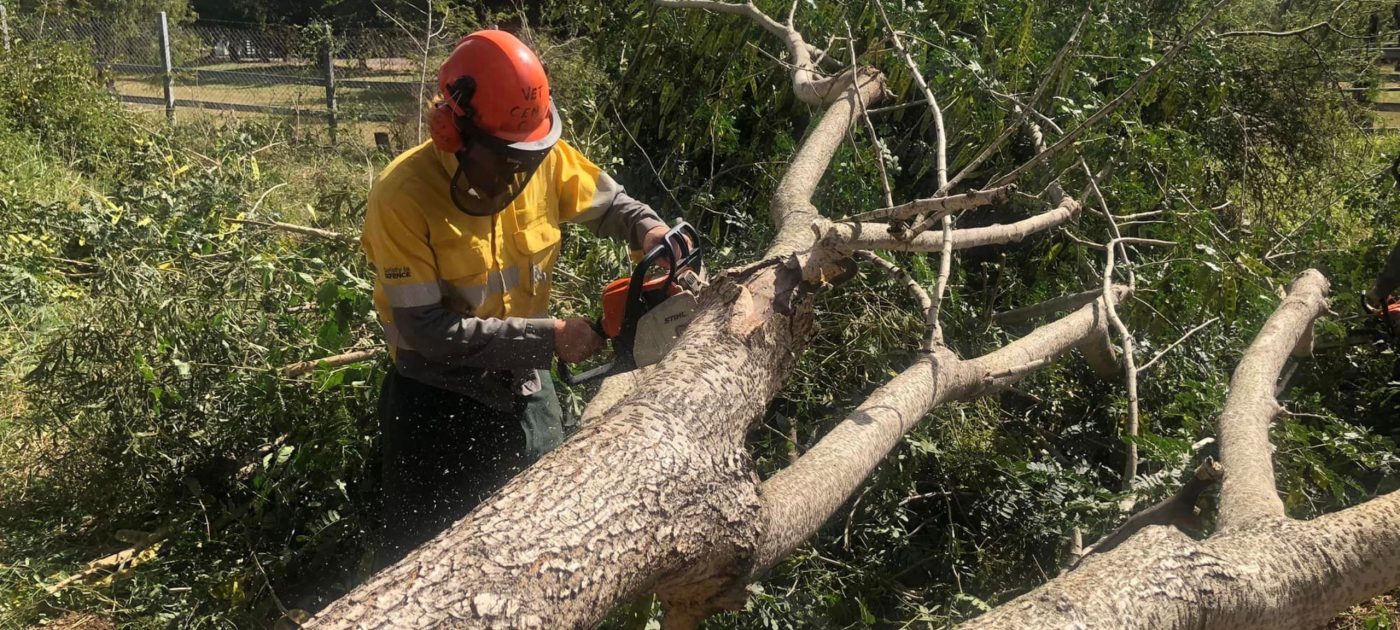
x=397, y=273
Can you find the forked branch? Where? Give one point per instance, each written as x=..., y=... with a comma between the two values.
x=1248, y=492
x=877, y=236
x=800, y=498
x=807, y=82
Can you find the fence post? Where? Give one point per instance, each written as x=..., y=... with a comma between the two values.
x=165, y=65
x=330, y=83
x=5, y=26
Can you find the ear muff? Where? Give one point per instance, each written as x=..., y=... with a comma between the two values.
x=442, y=125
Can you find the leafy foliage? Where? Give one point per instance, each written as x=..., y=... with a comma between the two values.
x=145, y=329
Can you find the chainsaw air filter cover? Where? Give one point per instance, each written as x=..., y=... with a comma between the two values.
x=615, y=300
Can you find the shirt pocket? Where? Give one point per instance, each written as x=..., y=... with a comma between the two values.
x=538, y=247
x=463, y=259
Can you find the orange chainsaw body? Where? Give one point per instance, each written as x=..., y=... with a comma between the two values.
x=1390, y=312
x=615, y=301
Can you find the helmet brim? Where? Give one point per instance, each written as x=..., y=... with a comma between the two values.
x=541, y=138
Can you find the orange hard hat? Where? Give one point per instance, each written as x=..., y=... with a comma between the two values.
x=496, y=82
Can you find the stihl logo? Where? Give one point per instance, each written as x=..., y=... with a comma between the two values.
x=530, y=93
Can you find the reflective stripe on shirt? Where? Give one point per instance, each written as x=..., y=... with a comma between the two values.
x=411, y=295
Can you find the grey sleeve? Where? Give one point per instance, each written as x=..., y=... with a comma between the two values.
x=615, y=214
x=445, y=337
x=1389, y=277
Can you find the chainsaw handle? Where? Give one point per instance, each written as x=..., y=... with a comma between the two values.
x=680, y=247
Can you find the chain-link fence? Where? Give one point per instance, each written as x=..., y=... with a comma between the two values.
x=310, y=74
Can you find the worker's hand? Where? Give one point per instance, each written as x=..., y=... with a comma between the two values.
x=575, y=339
x=656, y=236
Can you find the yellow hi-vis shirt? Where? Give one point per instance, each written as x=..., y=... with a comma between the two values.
x=464, y=300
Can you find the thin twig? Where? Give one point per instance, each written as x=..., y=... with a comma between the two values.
x=895, y=108
x=922, y=296
x=115, y=561
x=298, y=369
x=263, y=196
x=1296, y=31
x=938, y=206
x=1176, y=343
x=1117, y=102
x=869, y=126
x=1047, y=308
x=945, y=264
x=1001, y=138
x=1126, y=336
x=295, y=229
x=1130, y=370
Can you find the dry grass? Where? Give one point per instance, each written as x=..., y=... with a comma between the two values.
x=78, y=621
x=1381, y=612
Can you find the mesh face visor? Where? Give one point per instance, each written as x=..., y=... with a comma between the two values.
x=492, y=172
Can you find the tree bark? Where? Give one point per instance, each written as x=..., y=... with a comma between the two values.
x=658, y=493
x=659, y=490
x=1275, y=574
x=800, y=498
x=1261, y=569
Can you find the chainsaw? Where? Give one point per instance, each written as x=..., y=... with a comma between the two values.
x=1380, y=324
x=1386, y=317
x=645, y=313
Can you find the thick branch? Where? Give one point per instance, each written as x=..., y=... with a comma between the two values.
x=1278, y=575
x=1261, y=569
x=792, y=208
x=876, y=236
x=800, y=498
x=1248, y=493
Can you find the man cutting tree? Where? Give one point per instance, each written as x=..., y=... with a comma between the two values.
x=463, y=232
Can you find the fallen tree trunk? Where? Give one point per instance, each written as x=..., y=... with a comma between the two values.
x=1261, y=569
x=663, y=486
x=658, y=492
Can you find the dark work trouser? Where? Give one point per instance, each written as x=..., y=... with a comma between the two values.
x=443, y=453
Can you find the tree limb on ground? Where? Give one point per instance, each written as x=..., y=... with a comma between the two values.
x=1260, y=569
x=296, y=229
